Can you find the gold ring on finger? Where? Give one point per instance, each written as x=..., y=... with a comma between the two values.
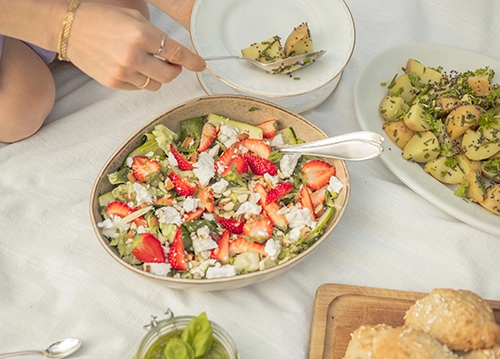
x=145, y=84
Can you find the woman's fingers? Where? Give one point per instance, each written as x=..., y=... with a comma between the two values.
x=121, y=49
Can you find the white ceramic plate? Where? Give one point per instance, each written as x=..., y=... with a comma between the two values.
x=224, y=27
x=367, y=96
x=299, y=103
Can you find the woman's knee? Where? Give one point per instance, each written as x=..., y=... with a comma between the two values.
x=27, y=91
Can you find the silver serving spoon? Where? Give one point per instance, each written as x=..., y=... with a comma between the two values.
x=353, y=146
x=284, y=66
x=60, y=349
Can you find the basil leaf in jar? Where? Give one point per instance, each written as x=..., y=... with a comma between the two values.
x=178, y=349
x=199, y=335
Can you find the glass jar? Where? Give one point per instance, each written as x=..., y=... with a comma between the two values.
x=158, y=329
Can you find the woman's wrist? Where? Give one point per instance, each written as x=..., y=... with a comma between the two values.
x=35, y=21
x=62, y=44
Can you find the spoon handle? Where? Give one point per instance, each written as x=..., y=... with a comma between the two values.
x=355, y=146
x=16, y=354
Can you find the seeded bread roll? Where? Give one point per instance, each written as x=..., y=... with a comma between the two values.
x=385, y=342
x=459, y=319
x=493, y=353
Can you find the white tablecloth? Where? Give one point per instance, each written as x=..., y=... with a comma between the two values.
x=57, y=281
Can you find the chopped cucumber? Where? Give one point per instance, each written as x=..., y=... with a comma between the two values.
x=106, y=198
x=288, y=135
x=252, y=131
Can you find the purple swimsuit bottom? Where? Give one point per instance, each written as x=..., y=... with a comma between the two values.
x=46, y=55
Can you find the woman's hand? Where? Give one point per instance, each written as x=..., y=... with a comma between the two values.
x=116, y=46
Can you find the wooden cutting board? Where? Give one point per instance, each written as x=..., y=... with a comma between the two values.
x=341, y=309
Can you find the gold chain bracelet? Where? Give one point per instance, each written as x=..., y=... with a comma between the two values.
x=62, y=45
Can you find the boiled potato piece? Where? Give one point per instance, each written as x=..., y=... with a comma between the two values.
x=447, y=104
x=403, y=87
x=299, y=41
x=491, y=169
x=426, y=74
x=269, y=50
x=422, y=147
x=492, y=199
x=461, y=119
x=467, y=165
x=480, y=84
x=477, y=146
x=392, y=107
x=445, y=170
x=474, y=186
x=398, y=132
x=414, y=119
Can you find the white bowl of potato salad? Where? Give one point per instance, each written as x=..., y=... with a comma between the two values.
x=197, y=199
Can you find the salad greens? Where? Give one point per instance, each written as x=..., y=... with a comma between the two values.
x=215, y=200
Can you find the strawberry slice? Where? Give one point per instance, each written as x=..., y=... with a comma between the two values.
x=191, y=216
x=272, y=208
x=177, y=255
x=317, y=173
x=318, y=197
x=221, y=253
x=238, y=164
x=259, y=229
x=207, y=198
x=278, y=219
x=208, y=134
x=148, y=249
x=240, y=245
x=120, y=209
x=269, y=128
x=257, y=146
x=182, y=162
x=279, y=191
x=306, y=202
x=182, y=186
x=143, y=166
x=229, y=223
x=224, y=158
x=260, y=166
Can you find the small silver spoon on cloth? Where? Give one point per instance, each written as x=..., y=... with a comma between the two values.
x=60, y=349
x=284, y=66
x=353, y=146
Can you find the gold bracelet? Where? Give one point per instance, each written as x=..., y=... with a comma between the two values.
x=62, y=45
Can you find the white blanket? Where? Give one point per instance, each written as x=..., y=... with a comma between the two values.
x=57, y=281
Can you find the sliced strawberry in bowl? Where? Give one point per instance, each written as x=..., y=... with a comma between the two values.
x=221, y=253
x=119, y=209
x=306, y=202
x=148, y=249
x=206, y=197
x=182, y=162
x=241, y=245
x=269, y=128
x=237, y=164
x=281, y=189
x=182, y=185
x=142, y=167
x=233, y=225
x=208, y=134
x=260, y=166
x=257, y=146
x=317, y=173
x=177, y=255
x=259, y=229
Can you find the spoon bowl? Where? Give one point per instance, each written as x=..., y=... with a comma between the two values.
x=58, y=350
x=284, y=66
